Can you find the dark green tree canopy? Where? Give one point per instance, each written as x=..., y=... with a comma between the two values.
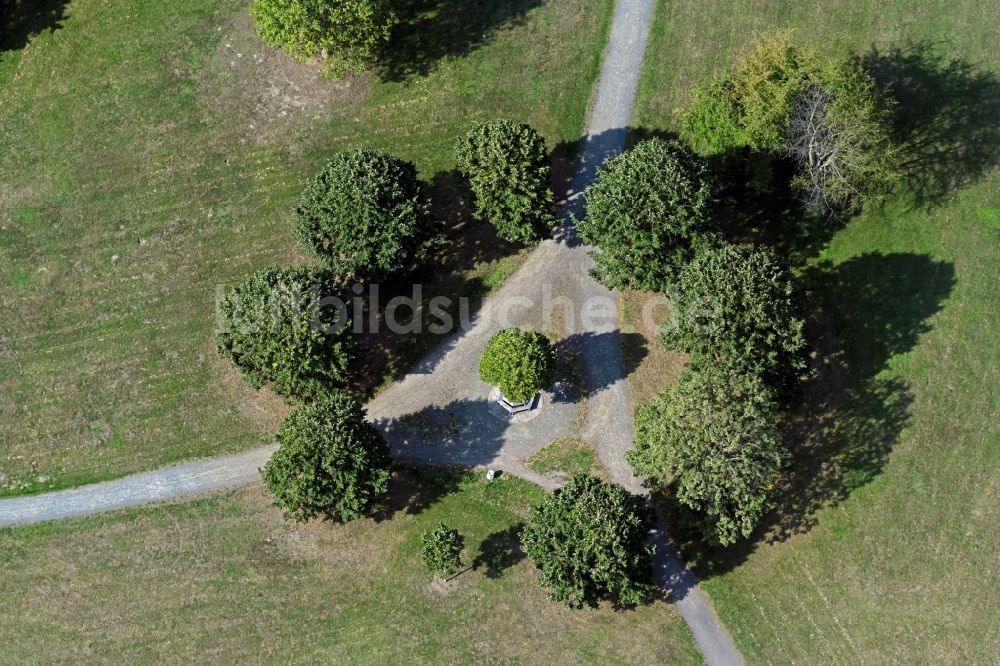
x=647, y=212
x=330, y=461
x=365, y=214
x=712, y=444
x=588, y=540
x=276, y=332
x=347, y=34
x=740, y=305
x=520, y=363
x=441, y=550
x=507, y=167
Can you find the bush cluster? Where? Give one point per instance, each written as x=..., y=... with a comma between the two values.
x=739, y=305
x=275, y=332
x=347, y=34
x=712, y=442
x=441, y=550
x=829, y=117
x=365, y=214
x=647, y=212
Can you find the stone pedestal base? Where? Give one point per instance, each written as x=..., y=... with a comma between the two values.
x=515, y=413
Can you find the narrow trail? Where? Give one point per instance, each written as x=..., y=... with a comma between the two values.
x=439, y=412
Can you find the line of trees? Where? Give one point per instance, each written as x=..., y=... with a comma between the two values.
x=711, y=443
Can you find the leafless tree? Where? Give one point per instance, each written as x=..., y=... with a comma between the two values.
x=843, y=159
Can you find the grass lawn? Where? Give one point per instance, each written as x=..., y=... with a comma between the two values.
x=566, y=457
x=884, y=545
x=224, y=579
x=152, y=151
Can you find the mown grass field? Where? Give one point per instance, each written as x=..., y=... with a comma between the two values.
x=152, y=151
x=225, y=580
x=884, y=545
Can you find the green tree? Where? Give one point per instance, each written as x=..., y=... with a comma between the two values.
x=588, y=540
x=829, y=117
x=277, y=332
x=647, y=211
x=347, y=34
x=712, y=444
x=507, y=166
x=365, y=214
x=441, y=550
x=520, y=363
x=740, y=305
x=330, y=461
x=750, y=106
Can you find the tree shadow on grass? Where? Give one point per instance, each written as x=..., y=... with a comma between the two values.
x=20, y=20
x=850, y=412
x=500, y=551
x=415, y=488
x=433, y=30
x=946, y=118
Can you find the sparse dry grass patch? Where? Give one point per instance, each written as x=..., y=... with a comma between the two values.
x=566, y=457
x=653, y=367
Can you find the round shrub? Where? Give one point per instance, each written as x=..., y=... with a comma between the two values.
x=365, y=214
x=739, y=304
x=276, y=332
x=647, y=211
x=330, y=462
x=712, y=443
x=588, y=540
x=441, y=550
x=507, y=166
x=520, y=363
x=347, y=34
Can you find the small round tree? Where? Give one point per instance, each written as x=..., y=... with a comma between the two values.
x=365, y=214
x=330, y=461
x=588, y=540
x=441, y=550
x=347, y=34
x=276, y=331
x=711, y=442
x=739, y=304
x=507, y=166
x=519, y=363
x=646, y=213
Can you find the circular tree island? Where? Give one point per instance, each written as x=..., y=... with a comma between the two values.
x=520, y=364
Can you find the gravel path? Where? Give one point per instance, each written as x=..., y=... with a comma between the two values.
x=440, y=413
